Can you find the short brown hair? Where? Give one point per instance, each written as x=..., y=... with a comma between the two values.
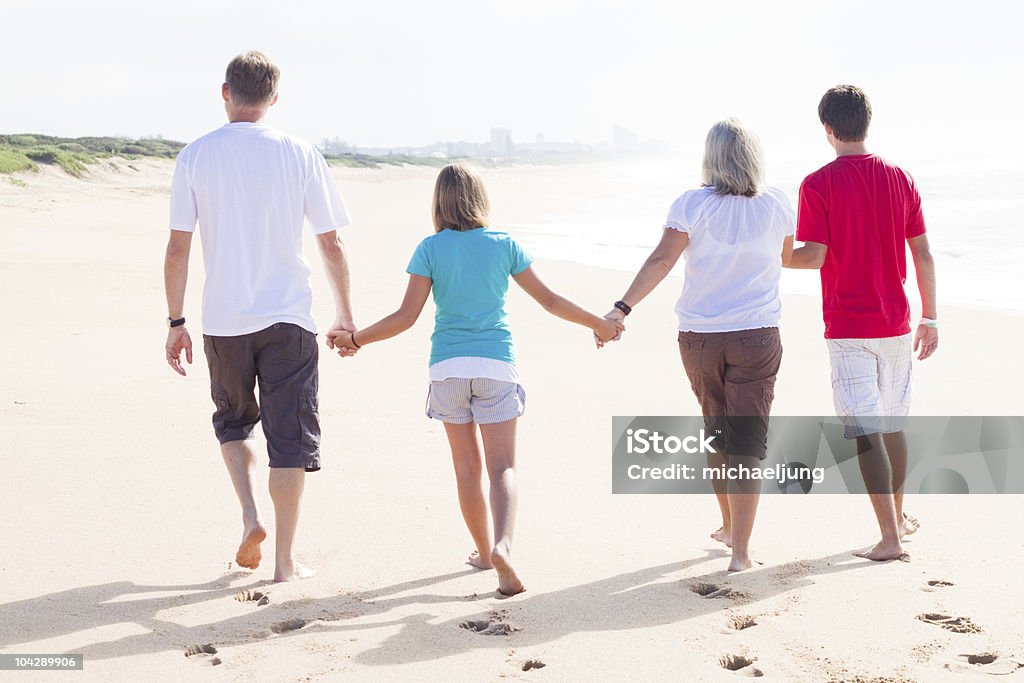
x=460, y=200
x=252, y=79
x=847, y=110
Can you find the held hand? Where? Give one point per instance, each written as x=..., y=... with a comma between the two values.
x=608, y=330
x=927, y=340
x=178, y=341
x=341, y=341
x=339, y=325
x=614, y=315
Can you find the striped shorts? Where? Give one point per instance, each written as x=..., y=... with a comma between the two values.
x=871, y=383
x=461, y=400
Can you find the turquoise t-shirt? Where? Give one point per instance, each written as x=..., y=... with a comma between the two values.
x=470, y=271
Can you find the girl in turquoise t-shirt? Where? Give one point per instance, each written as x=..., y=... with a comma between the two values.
x=473, y=377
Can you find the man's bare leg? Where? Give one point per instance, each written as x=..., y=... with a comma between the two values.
x=469, y=470
x=896, y=447
x=743, y=498
x=241, y=463
x=500, y=452
x=877, y=473
x=724, y=533
x=286, y=484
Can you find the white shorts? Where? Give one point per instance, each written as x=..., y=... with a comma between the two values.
x=871, y=382
x=461, y=400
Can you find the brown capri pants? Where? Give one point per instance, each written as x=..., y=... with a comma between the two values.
x=282, y=359
x=733, y=376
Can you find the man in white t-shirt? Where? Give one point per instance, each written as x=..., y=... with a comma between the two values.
x=250, y=188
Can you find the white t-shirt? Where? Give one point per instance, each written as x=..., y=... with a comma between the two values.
x=734, y=258
x=474, y=366
x=250, y=186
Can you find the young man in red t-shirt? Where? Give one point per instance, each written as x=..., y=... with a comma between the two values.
x=856, y=213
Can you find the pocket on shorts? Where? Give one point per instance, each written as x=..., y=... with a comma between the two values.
x=294, y=345
x=222, y=414
x=762, y=350
x=209, y=348
x=309, y=419
x=691, y=350
x=220, y=398
x=522, y=399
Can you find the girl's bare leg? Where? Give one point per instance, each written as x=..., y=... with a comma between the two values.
x=500, y=452
x=468, y=478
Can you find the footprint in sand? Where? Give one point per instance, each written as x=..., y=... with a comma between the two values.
x=740, y=623
x=261, y=599
x=954, y=624
x=203, y=654
x=934, y=584
x=493, y=625
x=990, y=663
x=710, y=590
x=533, y=664
x=288, y=625
x=741, y=664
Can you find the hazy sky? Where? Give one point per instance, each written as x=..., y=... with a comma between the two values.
x=942, y=76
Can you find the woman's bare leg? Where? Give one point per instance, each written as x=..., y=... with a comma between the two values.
x=744, y=495
x=724, y=534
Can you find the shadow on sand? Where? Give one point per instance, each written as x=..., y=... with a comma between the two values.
x=640, y=599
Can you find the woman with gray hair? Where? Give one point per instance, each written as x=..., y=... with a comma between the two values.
x=735, y=235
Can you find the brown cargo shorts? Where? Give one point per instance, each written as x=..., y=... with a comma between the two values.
x=282, y=359
x=733, y=376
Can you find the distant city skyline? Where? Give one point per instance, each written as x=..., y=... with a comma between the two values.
x=503, y=144
x=393, y=73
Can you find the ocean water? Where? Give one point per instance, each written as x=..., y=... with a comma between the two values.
x=974, y=210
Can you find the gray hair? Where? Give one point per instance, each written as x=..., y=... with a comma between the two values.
x=733, y=160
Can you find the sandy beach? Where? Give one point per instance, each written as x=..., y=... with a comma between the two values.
x=118, y=524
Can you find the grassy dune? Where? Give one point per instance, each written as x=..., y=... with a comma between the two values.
x=25, y=152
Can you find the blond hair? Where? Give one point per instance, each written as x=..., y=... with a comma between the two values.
x=252, y=79
x=733, y=160
x=460, y=200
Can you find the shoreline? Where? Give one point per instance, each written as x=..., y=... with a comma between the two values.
x=51, y=177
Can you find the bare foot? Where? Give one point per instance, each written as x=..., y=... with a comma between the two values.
x=722, y=536
x=739, y=564
x=293, y=571
x=249, y=554
x=476, y=560
x=508, y=582
x=884, y=551
x=910, y=525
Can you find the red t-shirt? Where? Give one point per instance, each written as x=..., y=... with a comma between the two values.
x=864, y=209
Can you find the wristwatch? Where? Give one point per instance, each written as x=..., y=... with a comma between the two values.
x=175, y=323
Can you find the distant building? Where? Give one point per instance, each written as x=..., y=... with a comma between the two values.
x=623, y=138
x=501, y=142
